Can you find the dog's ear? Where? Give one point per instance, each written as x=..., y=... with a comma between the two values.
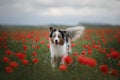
x=64, y=32
x=51, y=29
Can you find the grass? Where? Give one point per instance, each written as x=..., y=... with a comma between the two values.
x=42, y=70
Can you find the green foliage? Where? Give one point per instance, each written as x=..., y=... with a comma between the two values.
x=43, y=70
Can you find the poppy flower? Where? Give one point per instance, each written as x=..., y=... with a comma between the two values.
x=103, y=50
x=48, y=45
x=81, y=59
x=35, y=60
x=37, y=39
x=111, y=49
x=42, y=42
x=63, y=67
x=73, y=45
x=89, y=51
x=24, y=41
x=29, y=36
x=75, y=53
x=108, y=55
x=85, y=46
x=8, y=69
x=33, y=46
x=13, y=64
x=37, y=46
x=84, y=52
x=115, y=55
x=68, y=59
x=119, y=40
x=20, y=55
x=87, y=61
x=91, y=62
x=34, y=54
x=25, y=62
x=104, y=68
x=96, y=46
x=25, y=47
x=6, y=59
x=8, y=52
x=114, y=72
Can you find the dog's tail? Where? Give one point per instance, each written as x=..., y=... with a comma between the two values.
x=75, y=32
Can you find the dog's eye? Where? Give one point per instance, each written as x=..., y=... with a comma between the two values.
x=54, y=35
x=59, y=36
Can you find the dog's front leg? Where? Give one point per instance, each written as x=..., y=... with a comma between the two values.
x=63, y=59
x=53, y=61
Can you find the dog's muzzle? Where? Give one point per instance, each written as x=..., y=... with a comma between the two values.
x=56, y=42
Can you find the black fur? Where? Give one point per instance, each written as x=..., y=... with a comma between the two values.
x=61, y=32
x=63, y=36
x=52, y=33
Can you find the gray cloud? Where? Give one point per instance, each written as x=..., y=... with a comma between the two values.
x=59, y=11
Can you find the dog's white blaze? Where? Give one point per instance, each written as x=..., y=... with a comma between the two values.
x=56, y=37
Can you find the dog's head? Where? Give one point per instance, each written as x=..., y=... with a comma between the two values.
x=57, y=36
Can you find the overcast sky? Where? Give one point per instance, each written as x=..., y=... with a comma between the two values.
x=71, y=12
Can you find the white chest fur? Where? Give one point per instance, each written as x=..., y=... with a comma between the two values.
x=58, y=50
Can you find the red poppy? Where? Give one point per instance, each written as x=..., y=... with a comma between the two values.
x=34, y=54
x=104, y=68
x=96, y=46
x=115, y=54
x=85, y=46
x=68, y=59
x=89, y=51
x=103, y=50
x=8, y=52
x=91, y=62
x=81, y=59
x=35, y=60
x=111, y=49
x=63, y=67
x=8, y=69
x=42, y=42
x=84, y=52
x=24, y=41
x=73, y=45
x=33, y=46
x=37, y=39
x=25, y=47
x=25, y=62
x=13, y=64
x=6, y=59
x=29, y=36
x=37, y=46
x=119, y=40
x=114, y=72
x=75, y=53
x=108, y=55
x=87, y=61
x=20, y=55
x=48, y=45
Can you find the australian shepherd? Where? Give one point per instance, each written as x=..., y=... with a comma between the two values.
x=60, y=42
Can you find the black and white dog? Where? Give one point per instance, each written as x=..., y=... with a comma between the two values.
x=60, y=42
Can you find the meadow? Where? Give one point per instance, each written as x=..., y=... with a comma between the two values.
x=25, y=55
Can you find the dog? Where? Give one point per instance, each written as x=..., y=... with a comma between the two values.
x=60, y=42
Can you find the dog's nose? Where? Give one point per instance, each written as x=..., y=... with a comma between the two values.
x=56, y=42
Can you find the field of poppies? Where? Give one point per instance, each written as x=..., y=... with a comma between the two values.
x=25, y=55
